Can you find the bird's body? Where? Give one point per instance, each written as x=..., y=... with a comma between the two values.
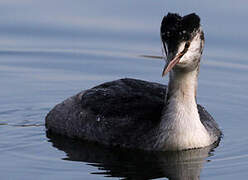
x=139, y=114
x=125, y=112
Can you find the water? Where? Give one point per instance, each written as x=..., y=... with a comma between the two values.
x=50, y=50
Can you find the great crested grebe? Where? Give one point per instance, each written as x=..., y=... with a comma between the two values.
x=133, y=113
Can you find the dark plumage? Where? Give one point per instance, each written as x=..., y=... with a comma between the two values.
x=175, y=29
x=95, y=114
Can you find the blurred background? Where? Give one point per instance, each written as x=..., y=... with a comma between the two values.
x=51, y=50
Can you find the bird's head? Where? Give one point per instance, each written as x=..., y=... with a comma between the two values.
x=183, y=41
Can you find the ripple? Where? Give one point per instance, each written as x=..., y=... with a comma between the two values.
x=49, y=52
x=231, y=158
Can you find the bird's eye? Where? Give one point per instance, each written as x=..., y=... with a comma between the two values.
x=187, y=44
x=186, y=47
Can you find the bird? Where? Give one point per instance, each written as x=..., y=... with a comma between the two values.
x=137, y=114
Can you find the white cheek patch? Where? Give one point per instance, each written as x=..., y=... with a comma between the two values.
x=181, y=47
x=195, y=44
x=194, y=50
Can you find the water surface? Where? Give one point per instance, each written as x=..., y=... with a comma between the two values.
x=50, y=50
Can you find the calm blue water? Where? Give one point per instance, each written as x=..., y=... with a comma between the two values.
x=50, y=50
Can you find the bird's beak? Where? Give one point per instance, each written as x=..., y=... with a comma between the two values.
x=175, y=60
x=170, y=65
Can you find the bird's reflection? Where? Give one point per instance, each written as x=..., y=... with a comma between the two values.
x=134, y=164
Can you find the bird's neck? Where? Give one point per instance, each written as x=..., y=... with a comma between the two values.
x=182, y=89
x=180, y=126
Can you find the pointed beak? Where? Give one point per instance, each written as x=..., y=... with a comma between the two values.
x=175, y=60
x=170, y=65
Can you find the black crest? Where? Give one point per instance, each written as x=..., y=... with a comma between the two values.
x=177, y=28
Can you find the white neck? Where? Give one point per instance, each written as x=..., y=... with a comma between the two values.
x=180, y=126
